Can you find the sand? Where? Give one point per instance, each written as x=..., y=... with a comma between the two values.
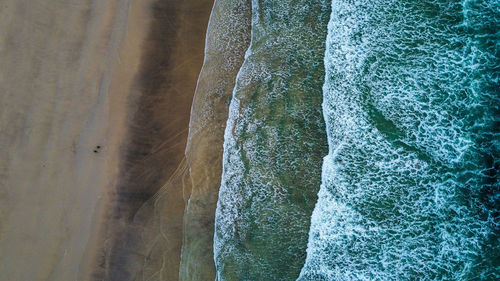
x=148, y=246
x=228, y=38
x=57, y=68
x=171, y=59
x=94, y=112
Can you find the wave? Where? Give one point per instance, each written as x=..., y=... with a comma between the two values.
x=411, y=104
x=274, y=142
x=227, y=39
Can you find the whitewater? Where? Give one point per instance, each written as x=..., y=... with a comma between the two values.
x=274, y=143
x=409, y=102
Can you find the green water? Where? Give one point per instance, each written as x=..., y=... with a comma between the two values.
x=275, y=141
x=408, y=187
x=411, y=101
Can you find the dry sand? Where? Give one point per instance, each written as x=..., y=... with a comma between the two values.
x=56, y=107
x=94, y=110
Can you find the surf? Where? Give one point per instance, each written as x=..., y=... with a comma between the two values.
x=409, y=187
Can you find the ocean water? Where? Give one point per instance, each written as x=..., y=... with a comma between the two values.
x=274, y=143
x=405, y=187
x=410, y=184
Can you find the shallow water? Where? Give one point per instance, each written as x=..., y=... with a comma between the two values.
x=274, y=142
x=228, y=37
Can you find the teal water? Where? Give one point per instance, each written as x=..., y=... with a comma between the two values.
x=411, y=102
x=408, y=190
x=275, y=140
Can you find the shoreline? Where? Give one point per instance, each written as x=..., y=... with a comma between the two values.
x=171, y=57
x=228, y=38
x=77, y=126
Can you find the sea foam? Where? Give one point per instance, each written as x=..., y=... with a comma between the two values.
x=409, y=187
x=274, y=142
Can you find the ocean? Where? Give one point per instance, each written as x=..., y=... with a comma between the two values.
x=362, y=143
x=274, y=143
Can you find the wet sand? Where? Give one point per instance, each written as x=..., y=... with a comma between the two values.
x=170, y=64
x=94, y=113
x=151, y=241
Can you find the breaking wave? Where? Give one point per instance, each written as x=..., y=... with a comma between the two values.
x=411, y=103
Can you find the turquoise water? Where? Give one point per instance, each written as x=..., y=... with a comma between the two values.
x=411, y=102
x=409, y=188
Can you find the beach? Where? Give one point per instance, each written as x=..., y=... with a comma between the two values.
x=170, y=61
x=197, y=140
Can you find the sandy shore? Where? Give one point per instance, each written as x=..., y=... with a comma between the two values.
x=148, y=241
x=171, y=59
x=57, y=105
x=94, y=113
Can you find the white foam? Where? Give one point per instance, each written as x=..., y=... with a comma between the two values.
x=398, y=107
x=253, y=193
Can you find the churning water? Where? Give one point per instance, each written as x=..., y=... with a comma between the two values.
x=411, y=102
x=274, y=142
x=408, y=188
